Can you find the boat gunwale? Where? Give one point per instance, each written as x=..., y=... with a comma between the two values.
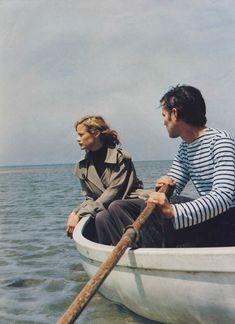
x=206, y=259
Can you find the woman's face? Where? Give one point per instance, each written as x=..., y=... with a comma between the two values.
x=86, y=140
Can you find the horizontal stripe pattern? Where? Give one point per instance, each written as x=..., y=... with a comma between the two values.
x=209, y=162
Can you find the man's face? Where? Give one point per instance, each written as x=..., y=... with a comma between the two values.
x=170, y=121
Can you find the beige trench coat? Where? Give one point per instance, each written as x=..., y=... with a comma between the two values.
x=119, y=181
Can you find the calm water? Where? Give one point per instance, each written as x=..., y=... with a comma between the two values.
x=40, y=269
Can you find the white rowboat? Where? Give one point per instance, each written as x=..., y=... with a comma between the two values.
x=173, y=285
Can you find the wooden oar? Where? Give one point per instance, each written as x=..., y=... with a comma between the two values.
x=128, y=238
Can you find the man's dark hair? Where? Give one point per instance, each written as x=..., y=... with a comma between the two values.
x=189, y=103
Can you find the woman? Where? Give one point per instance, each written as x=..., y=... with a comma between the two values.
x=106, y=173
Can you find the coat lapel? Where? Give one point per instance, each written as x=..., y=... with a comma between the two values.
x=93, y=177
x=111, y=158
x=87, y=170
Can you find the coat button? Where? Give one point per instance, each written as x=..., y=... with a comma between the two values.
x=83, y=176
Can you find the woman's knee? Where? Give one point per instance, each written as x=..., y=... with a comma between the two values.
x=116, y=204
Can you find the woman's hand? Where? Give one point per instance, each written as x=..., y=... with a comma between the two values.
x=73, y=219
x=162, y=203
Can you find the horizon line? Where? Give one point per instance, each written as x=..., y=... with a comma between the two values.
x=66, y=163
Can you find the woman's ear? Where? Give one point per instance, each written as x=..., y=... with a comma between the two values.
x=96, y=133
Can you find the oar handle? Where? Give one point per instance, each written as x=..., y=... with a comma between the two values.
x=106, y=267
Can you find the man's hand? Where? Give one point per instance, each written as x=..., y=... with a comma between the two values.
x=162, y=203
x=73, y=219
x=165, y=180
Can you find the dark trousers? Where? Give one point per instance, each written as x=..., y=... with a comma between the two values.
x=112, y=222
x=158, y=231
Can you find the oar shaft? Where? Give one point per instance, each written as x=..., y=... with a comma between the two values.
x=106, y=267
x=96, y=281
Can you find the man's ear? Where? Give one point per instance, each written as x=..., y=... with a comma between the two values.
x=174, y=113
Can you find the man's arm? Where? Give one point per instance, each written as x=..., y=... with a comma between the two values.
x=216, y=201
x=179, y=171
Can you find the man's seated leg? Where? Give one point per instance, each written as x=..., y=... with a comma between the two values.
x=125, y=212
x=122, y=214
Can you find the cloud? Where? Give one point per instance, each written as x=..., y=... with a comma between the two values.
x=64, y=59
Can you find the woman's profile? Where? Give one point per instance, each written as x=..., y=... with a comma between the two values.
x=106, y=173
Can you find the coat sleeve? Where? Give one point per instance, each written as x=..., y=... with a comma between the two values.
x=85, y=208
x=121, y=181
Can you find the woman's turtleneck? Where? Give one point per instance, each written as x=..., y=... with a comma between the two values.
x=98, y=159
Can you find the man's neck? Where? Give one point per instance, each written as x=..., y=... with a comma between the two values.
x=190, y=133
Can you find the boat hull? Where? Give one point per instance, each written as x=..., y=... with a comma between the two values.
x=187, y=285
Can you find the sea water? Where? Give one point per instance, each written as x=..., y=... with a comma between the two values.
x=40, y=268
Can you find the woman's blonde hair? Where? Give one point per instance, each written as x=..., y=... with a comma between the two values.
x=93, y=123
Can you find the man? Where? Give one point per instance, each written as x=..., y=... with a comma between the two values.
x=207, y=157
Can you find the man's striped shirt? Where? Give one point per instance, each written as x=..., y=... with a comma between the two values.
x=209, y=161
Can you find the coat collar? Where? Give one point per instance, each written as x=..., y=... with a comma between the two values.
x=111, y=156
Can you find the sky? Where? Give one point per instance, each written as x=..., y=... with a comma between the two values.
x=63, y=59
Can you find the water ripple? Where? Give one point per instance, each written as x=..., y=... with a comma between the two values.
x=40, y=268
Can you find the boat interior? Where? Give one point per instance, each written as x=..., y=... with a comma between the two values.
x=89, y=231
